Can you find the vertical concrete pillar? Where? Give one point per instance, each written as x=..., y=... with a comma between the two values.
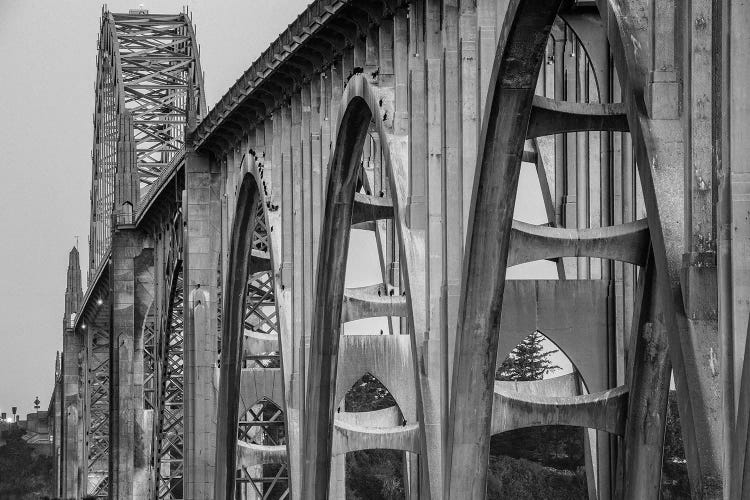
x=72, y=414
x=202, y=247
x=126, y=244
x=143, y=267
x=71, y=411
x=337, y=487
x=734, y=234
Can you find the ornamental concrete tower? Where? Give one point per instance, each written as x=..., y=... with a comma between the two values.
x=73, y=289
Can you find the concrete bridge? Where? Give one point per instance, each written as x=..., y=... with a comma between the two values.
x=208, y=356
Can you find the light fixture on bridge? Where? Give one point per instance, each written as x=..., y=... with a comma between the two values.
x=83, y=326
x=99, y=302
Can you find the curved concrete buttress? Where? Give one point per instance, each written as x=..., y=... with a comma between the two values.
x=351, y=437
x=258, y=342
x=371, y=208
x=551, y=116
x=604, y=411
x=386, y=417
x=385, y=357
x=625, y=242
x=250, y=454
x=259, y=383
x=564, y=385
x=360, y=303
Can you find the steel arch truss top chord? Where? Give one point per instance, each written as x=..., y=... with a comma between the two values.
x=149, y=87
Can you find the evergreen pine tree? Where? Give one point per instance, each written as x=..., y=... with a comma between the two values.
x=527, y=361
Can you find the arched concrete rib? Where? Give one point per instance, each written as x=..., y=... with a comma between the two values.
x=230, y=378
x=360, y=102
x=521, y=48
x=550, y=116
x=259, y=383
x=233, y=383
x=385, y=357
x=625, y=242
x=257, y=342
x=250, y=454
x=364, y=302
x=604, y=411
x=661, y=175
x=349, y=437
x=563, y=385
x=371, y=208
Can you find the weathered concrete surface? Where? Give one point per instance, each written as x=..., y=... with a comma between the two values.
x=625, y=243
x=371, y=302
x=604, y=411
x=259, y=383
x=550, y=116
x=571, y=313
x=518, y=58
x=386, y=357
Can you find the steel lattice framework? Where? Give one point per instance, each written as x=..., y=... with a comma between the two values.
x=262, y=422
x=169, y=427
x=148, y=87
x=97, y=426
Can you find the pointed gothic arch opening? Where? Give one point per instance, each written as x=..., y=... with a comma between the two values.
x=551, y=460
x=374, y=472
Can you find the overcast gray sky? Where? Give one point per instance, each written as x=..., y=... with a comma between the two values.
x=47, y=71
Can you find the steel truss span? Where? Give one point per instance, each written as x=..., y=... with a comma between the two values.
x=148, y=87
x=337, y=257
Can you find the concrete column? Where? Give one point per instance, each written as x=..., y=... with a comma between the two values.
x=143, y=267
x=72, y=414
x=125, y=425
x=202, y=247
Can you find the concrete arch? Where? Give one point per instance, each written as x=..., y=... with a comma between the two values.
x=360, y=104
x=604, y=411
x=578, y=335
x=512, y=86
x=233, y=380
x=259, y=383
x=385, y=357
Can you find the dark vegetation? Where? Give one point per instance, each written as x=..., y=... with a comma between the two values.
x=545, y=462
x=674, y=478
x=372, y=474
x=23, y=474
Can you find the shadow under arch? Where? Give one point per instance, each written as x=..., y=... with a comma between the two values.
x=360, y=105
x=240, y=265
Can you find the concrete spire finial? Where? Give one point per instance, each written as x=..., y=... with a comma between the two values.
x=73, y=289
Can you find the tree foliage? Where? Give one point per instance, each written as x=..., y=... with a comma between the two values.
x=674, y=477
x=527, y=361
x=372, y=474
x=23, y=474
